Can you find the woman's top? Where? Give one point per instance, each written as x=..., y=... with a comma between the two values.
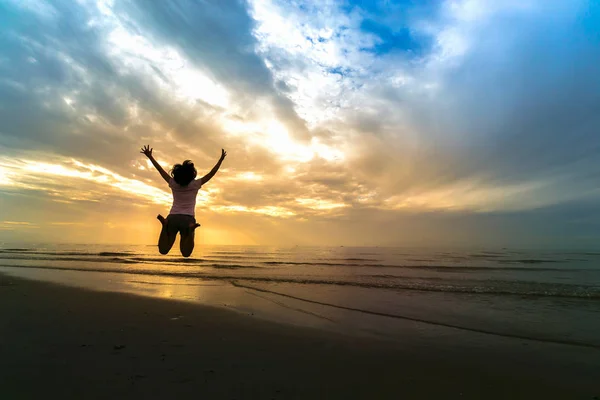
x=184, y=197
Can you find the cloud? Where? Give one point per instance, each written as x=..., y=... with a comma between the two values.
x=331, y=112
x=513, y=107
x=216, y=37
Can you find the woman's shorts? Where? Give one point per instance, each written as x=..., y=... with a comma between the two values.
x=180, y=223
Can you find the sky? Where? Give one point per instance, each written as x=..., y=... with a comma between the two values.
x=359, y=123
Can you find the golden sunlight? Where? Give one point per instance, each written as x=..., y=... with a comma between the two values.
x=87, y=172
x=273, y=211
x=186, y=82
x=319, y=204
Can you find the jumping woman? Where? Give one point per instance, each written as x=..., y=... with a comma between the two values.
x=185, y=186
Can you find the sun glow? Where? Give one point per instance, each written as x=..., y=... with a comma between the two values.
x=186, y=82
x=272, y=211
x=249, y=176
x=274, y=136
x=5, y=177
x=319, y=204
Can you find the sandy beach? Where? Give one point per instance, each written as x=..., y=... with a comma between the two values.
x=67, y=342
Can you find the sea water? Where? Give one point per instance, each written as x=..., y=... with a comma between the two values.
x=534, y=295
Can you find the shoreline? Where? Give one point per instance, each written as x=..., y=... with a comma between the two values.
x=75, y=342
x=290, y=306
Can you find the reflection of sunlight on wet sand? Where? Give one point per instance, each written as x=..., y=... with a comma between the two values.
x=153, y=286
x=210, y=293
x=221, y=293
x=168, y=287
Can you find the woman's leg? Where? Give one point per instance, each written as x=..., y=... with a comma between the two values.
x=186, y=245
x=167, y=236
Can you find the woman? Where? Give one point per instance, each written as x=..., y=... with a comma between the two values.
x=185, y=186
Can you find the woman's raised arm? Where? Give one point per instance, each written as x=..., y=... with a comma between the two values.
x=147, y=151
x=213, y=171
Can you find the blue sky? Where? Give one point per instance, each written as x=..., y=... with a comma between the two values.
x=347, y=122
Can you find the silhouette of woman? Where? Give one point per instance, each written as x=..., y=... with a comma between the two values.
x=181, y=218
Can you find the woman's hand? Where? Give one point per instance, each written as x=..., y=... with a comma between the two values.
x=147, y=151
x=212, y=173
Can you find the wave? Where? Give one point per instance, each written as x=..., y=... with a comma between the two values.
x=125, y=258
x=584, y=253
x=425, y=321
x=279, y=258
x=529, y=261
x=66, y=253
x=203, y=262
x=497, y=288
x=274, y=253
x=236, y=257
x=230, y=266
x=119, y=260
x=74, y=257
x=487, y=255
x=169, y=260
x=440, y=268
x=111, y=253
x=270, y=256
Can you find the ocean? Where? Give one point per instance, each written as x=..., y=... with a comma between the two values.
x=533, y=296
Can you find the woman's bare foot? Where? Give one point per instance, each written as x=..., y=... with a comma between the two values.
x=161, y=219
x=194, y=226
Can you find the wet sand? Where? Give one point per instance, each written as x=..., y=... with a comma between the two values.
x=58, y=341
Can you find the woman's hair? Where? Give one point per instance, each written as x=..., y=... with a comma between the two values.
x=184, y=173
